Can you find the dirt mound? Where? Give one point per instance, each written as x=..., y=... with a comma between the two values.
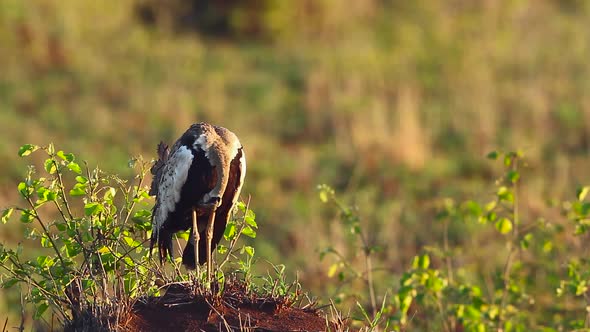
x=180, y=309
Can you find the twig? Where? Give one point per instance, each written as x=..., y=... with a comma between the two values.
x=135, y=195
x=513, y=250
x=46, y=231
x=233, y=242
x=21, y=328
x=367, y=253
x=219, y=314
x=61, y=188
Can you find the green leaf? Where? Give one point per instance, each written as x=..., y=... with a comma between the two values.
x=473, y=208
x=27, y=149
x=504, y=225
x=6, y=213
x=580, y=229
x=249, y=232
x=323, y=197
x=41, y=308
x=504, y=194
x=513, y=176
x=221, y=249
x=51, y=195
x=250, y=219
x=526, y=241
x=130, y=285
x=87, y=283
x=50, y=166
x=74, y=167
x=24, y=190
x=81, y=179
x=109, y=194
x=472, y=313
x=72, y=249
x=435, y=283
x=43, y=261
x=50, y=149
x=130, y=241
x=142, y=218
x=490, y=206
x=45, y=242
x=480, y=327
x=65, y=156
x=333, y=269
x=78, y=190
x=46, y=194
x=547, y=246
x=108, y=259
x=249, y=250
x=491, y=216
x=405, y=303
x=230, y=231
x=363, y=311
x=582, y=192
x=326, y=192
x=94, y=208
x=27, y=216
x=129, y=261
x=183, y=235
x=421, y=262
x=581, y=208
x=581, y=288
x=493, y=155
x=9, y=283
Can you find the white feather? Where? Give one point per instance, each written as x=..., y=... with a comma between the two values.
x=201, y=143
x=174, y=176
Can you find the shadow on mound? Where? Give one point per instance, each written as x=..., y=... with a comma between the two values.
x=180, y=309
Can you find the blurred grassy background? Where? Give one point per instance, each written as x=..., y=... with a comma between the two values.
x=393, y=103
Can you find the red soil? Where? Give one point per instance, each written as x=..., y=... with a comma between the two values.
x=180, y=310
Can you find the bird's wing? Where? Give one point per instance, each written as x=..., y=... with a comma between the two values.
x=237, y=174
x=156, y=170
x=172, y=178
x=237, y=171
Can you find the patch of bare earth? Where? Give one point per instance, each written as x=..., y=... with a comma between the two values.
x=180, y=309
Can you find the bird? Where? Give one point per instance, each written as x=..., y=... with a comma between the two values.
x=196, y=183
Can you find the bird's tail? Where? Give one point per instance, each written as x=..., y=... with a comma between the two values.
x=164, y=241
x=188, y=255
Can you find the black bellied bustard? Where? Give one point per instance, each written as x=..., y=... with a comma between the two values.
x=196, y=184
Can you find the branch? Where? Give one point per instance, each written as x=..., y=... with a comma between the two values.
x=46, y=231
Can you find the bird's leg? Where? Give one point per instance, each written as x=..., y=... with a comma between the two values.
x=197, y=239
x=209, y=239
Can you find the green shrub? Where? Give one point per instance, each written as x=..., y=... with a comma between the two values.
x=439, y=293
x=87, y=258
x=90, y=229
